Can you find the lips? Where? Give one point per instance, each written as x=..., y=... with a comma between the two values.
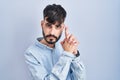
x=51, y=36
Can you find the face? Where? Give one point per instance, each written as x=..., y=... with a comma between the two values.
x=51, y=32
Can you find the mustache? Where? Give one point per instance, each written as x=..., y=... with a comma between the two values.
x=51, y=36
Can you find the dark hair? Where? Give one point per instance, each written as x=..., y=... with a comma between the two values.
x=54, y=13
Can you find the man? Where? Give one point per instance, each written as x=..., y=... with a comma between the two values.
x=48, y=59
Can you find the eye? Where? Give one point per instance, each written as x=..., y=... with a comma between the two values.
x=48, y=25
x=58, y=26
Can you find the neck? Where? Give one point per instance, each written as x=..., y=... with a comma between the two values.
x=49, y=45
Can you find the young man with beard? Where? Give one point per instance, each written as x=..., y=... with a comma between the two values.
x=48, y=59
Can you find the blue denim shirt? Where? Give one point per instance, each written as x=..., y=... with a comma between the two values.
x=47, y=63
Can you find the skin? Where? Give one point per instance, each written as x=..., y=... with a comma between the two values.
x=69, y=44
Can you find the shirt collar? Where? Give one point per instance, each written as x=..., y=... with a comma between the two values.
x=39, y=44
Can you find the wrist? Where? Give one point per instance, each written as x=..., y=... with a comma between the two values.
x=77, y=54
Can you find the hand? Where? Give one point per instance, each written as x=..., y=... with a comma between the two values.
x=70, y=43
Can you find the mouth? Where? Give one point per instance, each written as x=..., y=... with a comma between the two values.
x=51, y=37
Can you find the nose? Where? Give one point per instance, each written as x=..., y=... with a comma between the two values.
x=52, y=31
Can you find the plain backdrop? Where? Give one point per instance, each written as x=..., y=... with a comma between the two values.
x=95, y=23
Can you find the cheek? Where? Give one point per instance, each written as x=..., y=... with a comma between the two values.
x=46, y=32
x=59, y=33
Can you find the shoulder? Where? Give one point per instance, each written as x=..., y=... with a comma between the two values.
x=33, y=51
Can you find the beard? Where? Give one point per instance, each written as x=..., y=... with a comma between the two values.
x=51, y=41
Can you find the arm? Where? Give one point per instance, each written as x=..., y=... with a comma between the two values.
x=58, y=72
x=78, y=69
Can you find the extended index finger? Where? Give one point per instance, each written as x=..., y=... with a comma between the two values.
x=66, y=32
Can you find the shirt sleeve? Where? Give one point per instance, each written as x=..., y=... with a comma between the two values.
x=58, y=72
x=78, y=69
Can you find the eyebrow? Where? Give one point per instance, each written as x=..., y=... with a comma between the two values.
x=58, y=25
x=53, y=24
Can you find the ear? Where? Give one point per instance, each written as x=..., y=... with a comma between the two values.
x=42, y=22
x=63, y=26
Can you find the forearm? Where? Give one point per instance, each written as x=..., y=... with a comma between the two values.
x=78, y=69
x=58, y=72
x=62, y=67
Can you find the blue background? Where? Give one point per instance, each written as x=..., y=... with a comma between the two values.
x=96, y=24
